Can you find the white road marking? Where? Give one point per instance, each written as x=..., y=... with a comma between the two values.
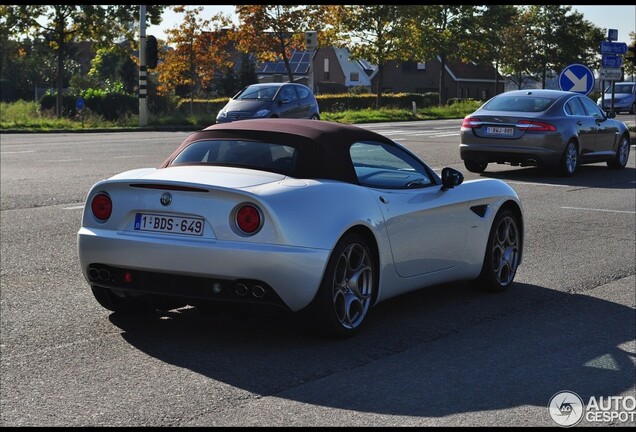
x=600, y=210
x=537, y=184
x=74, y=207
x=14, y=152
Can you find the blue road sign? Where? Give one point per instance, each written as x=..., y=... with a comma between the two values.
x=79, y=104
x=612, y=34
x=612, y=61
x=613, y=47
x=577, y=78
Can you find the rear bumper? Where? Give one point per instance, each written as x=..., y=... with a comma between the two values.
x=531, y=156
x=293, y=273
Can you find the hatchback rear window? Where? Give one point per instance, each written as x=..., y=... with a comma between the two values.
x=519, y=103
x=249, y=154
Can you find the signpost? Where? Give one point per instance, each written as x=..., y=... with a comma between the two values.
x=611, y=63
x=613, y=47
x=577, y=78
x=610, y=74
x=79, y=105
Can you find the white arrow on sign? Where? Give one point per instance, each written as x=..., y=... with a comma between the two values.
x=580, y=84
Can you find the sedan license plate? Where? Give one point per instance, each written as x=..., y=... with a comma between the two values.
x=496, y=130
x=168, y=224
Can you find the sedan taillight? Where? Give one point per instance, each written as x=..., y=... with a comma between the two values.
x=101, y=206
x=471, y=122
x=532, y=125
x=248, y=219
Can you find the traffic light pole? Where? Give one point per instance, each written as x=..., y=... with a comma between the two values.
x=143, y=73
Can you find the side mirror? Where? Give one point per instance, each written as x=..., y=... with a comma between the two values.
x=451, y=178
x=611, y=114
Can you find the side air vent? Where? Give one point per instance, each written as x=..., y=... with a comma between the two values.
x=480, y=210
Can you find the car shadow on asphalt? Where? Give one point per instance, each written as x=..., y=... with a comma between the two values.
x=594, y=175
x=439, y=351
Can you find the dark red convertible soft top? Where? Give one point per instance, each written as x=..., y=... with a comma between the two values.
x=323, y=146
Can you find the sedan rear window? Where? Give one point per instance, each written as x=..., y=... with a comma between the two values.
x=519, y=103
x=249, y=154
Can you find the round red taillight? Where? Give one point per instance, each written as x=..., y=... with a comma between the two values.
x=102, y=206
x=248, y=219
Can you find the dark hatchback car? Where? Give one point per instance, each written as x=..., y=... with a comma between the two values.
x=555, y=129
x=272, y=100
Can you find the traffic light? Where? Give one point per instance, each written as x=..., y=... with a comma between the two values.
x=151, y=52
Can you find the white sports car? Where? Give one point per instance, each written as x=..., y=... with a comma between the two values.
x=318, y=218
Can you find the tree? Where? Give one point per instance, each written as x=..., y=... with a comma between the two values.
x=629, y=60
x=35, y=62
x=449, y=32
x=115, y=64
x=561, y=37
x=199, y=53
x=494, y=22
x=272, y=31
x=62, y=25
x=515, y=53
x=377, y=33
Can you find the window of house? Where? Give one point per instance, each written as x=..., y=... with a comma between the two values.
x=354, y=76
x=413, y=67
x=326, y=68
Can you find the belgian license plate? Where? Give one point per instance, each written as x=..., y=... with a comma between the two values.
x=495, y=130
x=168, y=224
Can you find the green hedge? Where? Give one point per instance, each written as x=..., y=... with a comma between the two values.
x=349, y=101
x=202, y=106
x=110, y=106
x=327, y=102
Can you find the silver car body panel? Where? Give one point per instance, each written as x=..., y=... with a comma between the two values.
x=424, y=236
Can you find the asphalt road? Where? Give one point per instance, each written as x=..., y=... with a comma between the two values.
x=443, y=356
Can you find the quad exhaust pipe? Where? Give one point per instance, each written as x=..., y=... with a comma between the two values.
x=242, y=290
x=258, y=291
x=95, y=274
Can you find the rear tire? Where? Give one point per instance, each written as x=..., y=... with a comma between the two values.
x=570, y=160
x=622, y=154
x=475, y=166
x=503, y=253
x=346, y=291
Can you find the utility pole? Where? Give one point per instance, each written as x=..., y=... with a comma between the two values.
x=143, y=73
x=311, y=44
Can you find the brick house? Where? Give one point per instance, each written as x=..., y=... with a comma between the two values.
x=335, y=72
x=462, y=80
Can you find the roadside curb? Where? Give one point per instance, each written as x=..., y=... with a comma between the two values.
x=108, y=130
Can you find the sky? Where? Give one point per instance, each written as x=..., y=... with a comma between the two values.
x=619, y=17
